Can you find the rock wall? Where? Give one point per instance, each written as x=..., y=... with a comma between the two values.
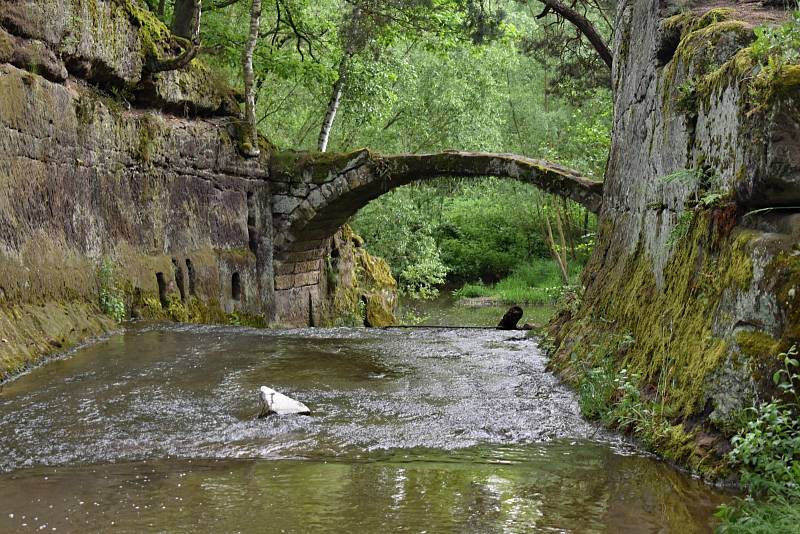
x=119, y=182
x=688, y=288
x=183, y=220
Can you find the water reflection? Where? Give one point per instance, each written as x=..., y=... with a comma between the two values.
x=560, y=486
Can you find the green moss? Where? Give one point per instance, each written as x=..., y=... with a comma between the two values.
x=205, y=312
x=321, y=165
x=6, y=46
x=361, y=287
x=765, y=80
x=155, y=37
x=152, y=307
x=757, y=345
x=699, y=37
x=690, y=21
x=33, y=332
x=176, y=310
x=148, y=140
x=674, y=349
x=784, y=272
x=243, y=319
x=245, y=142
x=84, y=110
x=239, y=256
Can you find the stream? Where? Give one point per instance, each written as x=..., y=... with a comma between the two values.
x=435, y=430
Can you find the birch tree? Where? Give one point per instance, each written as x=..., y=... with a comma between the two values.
x=250, y=147
x=354, y=41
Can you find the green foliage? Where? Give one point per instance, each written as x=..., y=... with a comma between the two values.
x=597, y=390
x=473, y=230
x=683, y=176
x=767, y=450
x=488, y=228
x=682, y=227
x=710, y=199
x=538, y=282
x=575, y=66
x=776, y=45
x=616, y=399
x=400, y=230
x=411, y=317
x=110, y=295
x=750, y=516
x=707, y=194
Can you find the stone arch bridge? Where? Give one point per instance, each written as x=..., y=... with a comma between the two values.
x=314, y=194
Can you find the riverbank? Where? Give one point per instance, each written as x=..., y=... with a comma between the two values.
x=447, y=310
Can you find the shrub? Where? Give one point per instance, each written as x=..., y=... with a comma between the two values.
x=110, y=296
x=768, y=448
x=767, y=451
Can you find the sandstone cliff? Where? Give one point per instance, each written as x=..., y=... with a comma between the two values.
x=690, y=287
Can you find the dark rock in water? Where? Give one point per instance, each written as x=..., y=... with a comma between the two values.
x=510, y=319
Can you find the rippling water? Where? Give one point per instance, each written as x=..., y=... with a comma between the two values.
x=436, y=431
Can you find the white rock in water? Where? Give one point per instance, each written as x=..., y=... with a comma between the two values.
x=280, y=404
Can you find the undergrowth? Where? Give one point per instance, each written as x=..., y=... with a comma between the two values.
x=767, y=452
x=110, y=295
x=538, y=283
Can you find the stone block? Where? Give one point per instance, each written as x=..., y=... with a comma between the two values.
x=284, y=282
x=307, y=266
x=283, y=204
x=306, y=279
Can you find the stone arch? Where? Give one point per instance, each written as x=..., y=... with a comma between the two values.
x=322, y=191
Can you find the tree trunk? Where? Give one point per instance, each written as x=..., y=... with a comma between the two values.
x=186, y=19
x=250, y=147
x=333, y=106
x=563, y=259
x=585, y=222
x=186, y=32
x=560, y=261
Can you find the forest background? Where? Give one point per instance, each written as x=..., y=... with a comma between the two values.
x=416, y=76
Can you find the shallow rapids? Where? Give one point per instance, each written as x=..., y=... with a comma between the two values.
x=434, y=430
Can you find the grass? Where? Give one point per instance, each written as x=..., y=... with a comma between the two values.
x=751, y=516
x=537, y=283
x=443, y=311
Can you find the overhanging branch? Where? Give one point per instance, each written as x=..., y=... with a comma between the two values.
x=583, y=24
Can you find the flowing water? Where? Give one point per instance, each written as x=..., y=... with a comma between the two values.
x=411, y=431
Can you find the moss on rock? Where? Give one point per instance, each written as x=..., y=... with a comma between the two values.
x=672, y=344
x=361, y=288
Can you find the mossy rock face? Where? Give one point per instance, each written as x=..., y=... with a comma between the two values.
x=359, y=288
x=6, y=46
x=682, y=335
x=737, y=105
x=696, y=300
x=29, y=331
x=113, y=44
x=379, y=311
x=195, y=89
x=87, y=181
